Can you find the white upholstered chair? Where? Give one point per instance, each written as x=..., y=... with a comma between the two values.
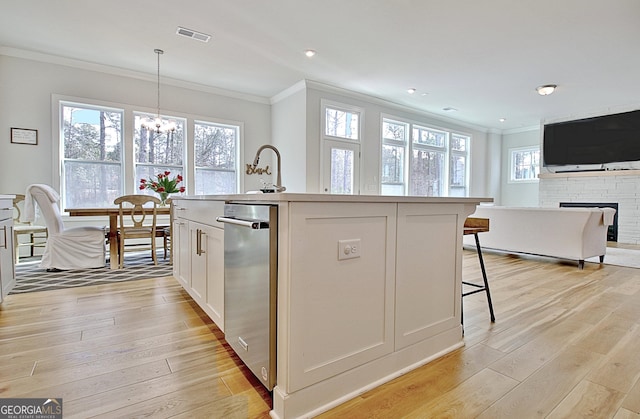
x=66, y=249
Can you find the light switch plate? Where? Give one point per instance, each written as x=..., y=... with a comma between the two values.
x=349, y=249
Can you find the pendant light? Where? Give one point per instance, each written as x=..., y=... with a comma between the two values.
x=157, y=125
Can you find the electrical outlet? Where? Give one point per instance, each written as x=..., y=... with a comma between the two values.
x=349, y=249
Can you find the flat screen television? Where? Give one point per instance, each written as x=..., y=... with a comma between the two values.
x=598, y=140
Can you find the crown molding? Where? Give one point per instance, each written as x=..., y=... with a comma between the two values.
x=122, y=72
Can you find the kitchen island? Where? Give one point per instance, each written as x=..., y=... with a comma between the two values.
x=368, y=287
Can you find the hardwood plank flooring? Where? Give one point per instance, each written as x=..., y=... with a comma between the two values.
x=564, y=344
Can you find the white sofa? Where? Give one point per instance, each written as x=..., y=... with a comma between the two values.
x=568, y=233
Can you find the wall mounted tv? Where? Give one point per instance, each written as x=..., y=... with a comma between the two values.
x=598, y=140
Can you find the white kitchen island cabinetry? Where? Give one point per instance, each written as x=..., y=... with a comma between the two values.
x=199, y=254
x=369, y=288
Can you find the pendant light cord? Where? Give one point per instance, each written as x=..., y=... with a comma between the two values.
x=158, y=52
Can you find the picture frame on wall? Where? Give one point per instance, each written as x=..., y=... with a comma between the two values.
x=24, y=136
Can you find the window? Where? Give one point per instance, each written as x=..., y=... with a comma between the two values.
x=435, y=160
x=91, y=150
x=216, y=157
x=157, y=152
x=342, y=123
x=341, y=148
x=524, y=164
x=458, y=164
x=103, y=152
x=394, y=144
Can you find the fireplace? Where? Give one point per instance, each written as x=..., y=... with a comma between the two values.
x=612, y=232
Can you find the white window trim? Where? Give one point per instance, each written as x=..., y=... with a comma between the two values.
x=130, y=183
x=328, y=140
x=511, y=152
x=409, y=150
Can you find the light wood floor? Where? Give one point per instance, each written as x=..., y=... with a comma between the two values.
x=565, y=344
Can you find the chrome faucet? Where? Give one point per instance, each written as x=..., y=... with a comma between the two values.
x=278, y=186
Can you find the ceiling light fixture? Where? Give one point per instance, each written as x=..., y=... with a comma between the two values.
x=502, y=119
x=157, y=125
x=546, y=89
x=411, y=90
x=449, y=109
x=309, y=53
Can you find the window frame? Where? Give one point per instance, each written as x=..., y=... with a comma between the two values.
x=512, y=167
x=329, y=142
x=130, y=182
x=412, y=145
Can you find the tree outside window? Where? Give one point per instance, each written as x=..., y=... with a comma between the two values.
x=92, y=155
x=157, y=152
x=216, y=156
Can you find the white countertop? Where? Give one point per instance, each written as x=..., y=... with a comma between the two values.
x=7, y=196
x=311, y=197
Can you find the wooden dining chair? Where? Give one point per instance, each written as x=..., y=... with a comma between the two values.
x=36, y=234
x=137, y=220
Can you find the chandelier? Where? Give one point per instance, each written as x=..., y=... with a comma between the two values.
x=157, y=125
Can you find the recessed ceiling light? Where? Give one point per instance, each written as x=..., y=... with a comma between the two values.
x=502, y=119
x=309, y=53
x=193, y=34
x=411, y=90
x=449, y=109
x=546, y=89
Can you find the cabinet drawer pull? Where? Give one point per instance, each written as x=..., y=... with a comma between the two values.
x=199, y=234
x=242, y=343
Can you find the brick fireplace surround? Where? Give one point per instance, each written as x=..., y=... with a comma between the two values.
x=621, y=186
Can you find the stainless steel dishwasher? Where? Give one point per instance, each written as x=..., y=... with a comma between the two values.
x=250, y=286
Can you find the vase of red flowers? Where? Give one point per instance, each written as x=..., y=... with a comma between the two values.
x=163, y=185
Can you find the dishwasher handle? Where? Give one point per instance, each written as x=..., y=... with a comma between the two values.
x=252, y=224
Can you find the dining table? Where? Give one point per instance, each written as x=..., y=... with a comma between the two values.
x=112, y=213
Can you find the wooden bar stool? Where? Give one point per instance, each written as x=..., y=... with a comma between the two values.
x=474, y=226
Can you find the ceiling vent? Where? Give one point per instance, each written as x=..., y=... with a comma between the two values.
x=193, y=34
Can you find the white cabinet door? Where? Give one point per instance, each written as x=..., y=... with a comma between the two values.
x=341, y=306
x=198, y=262
x=181, y=252
x=7, y=268
x=428, y=277
x=207, y=270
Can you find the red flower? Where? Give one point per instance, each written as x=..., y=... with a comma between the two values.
x=162, y=183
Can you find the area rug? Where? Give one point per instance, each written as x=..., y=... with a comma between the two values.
x=30, y=277
x=620, y=257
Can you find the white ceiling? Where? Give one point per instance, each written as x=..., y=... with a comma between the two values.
x=484, y=58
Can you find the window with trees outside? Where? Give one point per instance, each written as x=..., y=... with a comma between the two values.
x=157, y=152
x=100, y=160
x=216, y=157
x=524, y=164
x=91, y=155
x=423, y=161
x=341, y=148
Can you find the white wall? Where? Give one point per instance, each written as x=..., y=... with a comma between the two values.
x=288, y=116
x=292, y=122
x=518, y=194
x=27, y=87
